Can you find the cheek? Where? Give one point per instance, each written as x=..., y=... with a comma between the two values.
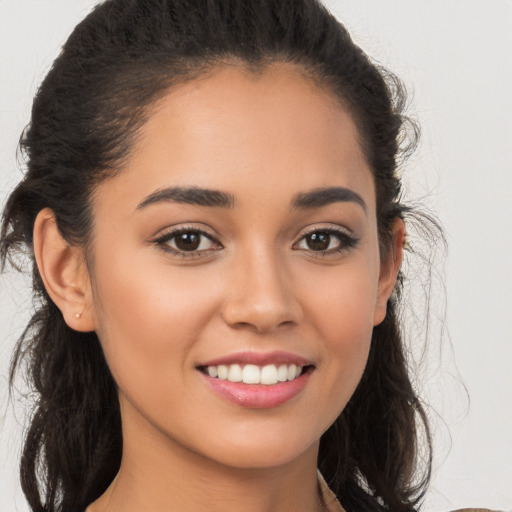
x=341, y=312
x=347, y=325
x=342, y=301
x=149, y=318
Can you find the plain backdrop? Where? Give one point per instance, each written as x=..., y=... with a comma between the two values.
x=455, y=56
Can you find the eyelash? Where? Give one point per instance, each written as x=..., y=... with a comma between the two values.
x=163, y=242
x=346, y=242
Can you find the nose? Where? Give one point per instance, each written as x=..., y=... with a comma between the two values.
x=260, y=295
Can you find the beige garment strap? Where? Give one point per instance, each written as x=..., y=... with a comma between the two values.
x=333, y=505
x=331, y=502
x=475, y=510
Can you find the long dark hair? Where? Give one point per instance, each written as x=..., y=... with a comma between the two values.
x=122, y=58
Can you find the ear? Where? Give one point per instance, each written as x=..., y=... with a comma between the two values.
x=64, y=273
x=389, y=267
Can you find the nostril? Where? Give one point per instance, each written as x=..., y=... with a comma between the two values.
x=261, y=327
x=242, y=325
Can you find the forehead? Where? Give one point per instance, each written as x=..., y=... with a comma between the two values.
x=271, y=132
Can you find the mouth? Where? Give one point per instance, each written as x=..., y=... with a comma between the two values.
x=257, y=381
x=252, y=374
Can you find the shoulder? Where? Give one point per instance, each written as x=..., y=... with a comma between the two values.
x=475, y=510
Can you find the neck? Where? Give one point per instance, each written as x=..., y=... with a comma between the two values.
x=160, y=474
x=206, y=488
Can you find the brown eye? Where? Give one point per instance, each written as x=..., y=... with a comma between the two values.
x=326, y=241
x=188, y=241
x=318, y=241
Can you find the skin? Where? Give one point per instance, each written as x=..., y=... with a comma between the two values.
x=258, y=286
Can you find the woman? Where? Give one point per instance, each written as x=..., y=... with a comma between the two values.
x=213, y=213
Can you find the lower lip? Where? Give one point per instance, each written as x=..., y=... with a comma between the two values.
x=258, y=396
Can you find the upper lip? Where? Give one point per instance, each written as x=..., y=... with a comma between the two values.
x=258, y=358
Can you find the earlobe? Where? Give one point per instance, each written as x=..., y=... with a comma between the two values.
x=389, y=267
x=64, y=273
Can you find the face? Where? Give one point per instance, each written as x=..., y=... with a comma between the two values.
x=235, y=269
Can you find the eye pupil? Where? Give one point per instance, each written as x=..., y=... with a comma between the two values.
x=318, y=241
x=187, y=241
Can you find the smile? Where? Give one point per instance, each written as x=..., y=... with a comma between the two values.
x=257, y=380
x=267, y=375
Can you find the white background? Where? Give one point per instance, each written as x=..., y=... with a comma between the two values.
x=455, y=56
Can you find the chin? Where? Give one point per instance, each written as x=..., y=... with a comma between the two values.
x=263, y=452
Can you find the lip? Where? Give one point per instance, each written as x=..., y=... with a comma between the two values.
x=258, y=396
x=259, y=359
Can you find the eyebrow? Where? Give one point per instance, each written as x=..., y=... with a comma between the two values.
x=324, y=196
x=197, y=196
x=190, y=195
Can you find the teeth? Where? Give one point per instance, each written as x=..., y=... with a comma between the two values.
x=269, y=374
x=252, y=374
x=292, y=372
x=222, y=372
x=282, y=373
x=235, y=373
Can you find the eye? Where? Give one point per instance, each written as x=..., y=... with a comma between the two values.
x=187, y=242
x=326, y=241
